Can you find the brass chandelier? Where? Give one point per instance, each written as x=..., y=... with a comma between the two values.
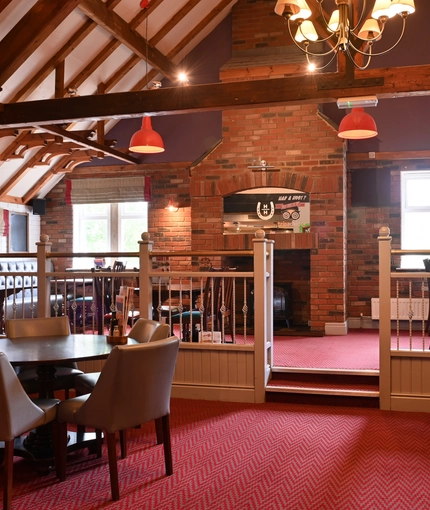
x=339, y=31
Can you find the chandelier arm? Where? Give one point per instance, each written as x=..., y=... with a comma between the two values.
x=323, y=17
x=304, y=50
x=387, y=50
x=319, y=40
x=300, y=28
x=307, y=52
x=377, y=37
x=325, y=65
x=363, y=10
x=368, y=55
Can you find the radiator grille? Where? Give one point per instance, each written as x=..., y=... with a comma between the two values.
x=403, y=305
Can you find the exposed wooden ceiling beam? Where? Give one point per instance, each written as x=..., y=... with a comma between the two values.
x=173, y=21
x=320, y=88
x=198, y=28
x=142, y=167
x=4, y=4
x=352, y=157
x=31, y=85
x=108, y=151
x=24, y=170
x=30, y=32
x=116, y=26
x=109, y=48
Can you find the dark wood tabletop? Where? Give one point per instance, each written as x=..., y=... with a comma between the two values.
x=46, y=350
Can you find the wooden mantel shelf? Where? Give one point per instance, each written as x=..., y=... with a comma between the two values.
x=305, y=241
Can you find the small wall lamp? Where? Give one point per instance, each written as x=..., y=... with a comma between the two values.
x=171, y=206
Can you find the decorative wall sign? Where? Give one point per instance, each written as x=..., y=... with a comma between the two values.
x=265, y=211
x=246, y=212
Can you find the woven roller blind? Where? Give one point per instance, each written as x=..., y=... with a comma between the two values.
x=100, y=191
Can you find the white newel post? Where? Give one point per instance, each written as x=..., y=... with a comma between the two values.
x=43, y=282
x=263, y=312
x=384, y=318
x=145, y=281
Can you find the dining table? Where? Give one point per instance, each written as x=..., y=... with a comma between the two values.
x=46, y=352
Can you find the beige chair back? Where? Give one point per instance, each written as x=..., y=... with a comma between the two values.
x=161, y=332
x=41, y=326
x=18, y=413
x=134, y=386
x=148, y=330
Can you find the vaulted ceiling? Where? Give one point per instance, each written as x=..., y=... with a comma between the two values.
x=52, y=49
x=70, y=69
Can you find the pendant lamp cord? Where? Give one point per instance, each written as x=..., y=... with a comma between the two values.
x=147, y=50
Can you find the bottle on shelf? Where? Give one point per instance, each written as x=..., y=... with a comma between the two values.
x=113, y=324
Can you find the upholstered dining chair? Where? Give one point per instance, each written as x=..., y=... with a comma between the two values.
x=134, y=387
x=43, y=328
x=143, y=330
x=19, y=414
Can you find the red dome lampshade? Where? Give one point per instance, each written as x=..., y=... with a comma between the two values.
x=146, y=140
x=357, y=125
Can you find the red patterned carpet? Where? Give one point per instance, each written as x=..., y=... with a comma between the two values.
x=358, y=350
x=252, y=457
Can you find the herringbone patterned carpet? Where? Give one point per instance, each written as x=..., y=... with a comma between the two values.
x=358, y=350
x=251, y=457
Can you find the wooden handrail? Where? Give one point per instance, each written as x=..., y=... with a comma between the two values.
x=190, y=253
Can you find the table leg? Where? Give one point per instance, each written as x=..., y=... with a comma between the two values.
x=46, y=378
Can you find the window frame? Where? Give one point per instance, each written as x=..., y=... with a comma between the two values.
x=114, y=215
x=419, y=242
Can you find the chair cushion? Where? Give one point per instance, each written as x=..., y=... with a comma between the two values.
x=66, y=412
x=64, y=379
x=49, y=405
x=81, y=299
x=195, y=314
x=85, y=383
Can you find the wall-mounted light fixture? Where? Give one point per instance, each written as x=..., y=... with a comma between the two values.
x=171, y=206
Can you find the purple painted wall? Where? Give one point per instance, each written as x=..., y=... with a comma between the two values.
x=402, y=122
x=186, y=136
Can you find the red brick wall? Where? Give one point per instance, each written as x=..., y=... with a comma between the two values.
x=363, y=230
x=310, y=157
x=295, y=140
x=168, y=230
x=255, y=25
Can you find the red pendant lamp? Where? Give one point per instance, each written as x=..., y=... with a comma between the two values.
x=357, y=125
x=146, y=140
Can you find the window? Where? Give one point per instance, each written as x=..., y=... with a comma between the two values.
x=415, y=190
x=108, y=227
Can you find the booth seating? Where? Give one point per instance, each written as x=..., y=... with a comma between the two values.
x=18, y=294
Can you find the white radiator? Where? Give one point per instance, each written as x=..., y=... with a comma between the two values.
x=403, y=305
